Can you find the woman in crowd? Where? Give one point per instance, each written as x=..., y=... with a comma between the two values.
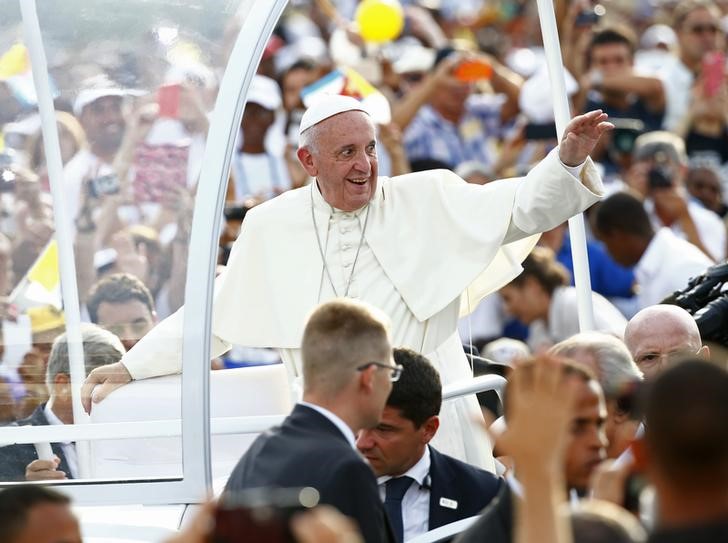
x=540, y=298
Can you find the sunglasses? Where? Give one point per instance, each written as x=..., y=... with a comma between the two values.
x=703, y=29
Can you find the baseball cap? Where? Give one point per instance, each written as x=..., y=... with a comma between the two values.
x=264, y=92
x=94, y=88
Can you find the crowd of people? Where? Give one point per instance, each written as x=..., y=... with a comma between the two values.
x=447, y=213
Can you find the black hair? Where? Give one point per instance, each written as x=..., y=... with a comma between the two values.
x=608, y=36
x=623, y=212
x=541, y=264
x=117, y=288
x=16, y=501
x=418, y=392
x=424, y=164
x=687, y=423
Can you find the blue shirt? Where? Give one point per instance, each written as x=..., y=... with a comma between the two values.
x=430, y=136
x=607, y=277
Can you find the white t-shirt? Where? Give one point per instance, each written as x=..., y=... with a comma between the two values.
x=563, y=319
x=666, y=266
x=711, y=229
x=678, y=82
x=259, y=175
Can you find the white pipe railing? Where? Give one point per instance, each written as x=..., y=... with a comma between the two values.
x=218, y=425
x=475, y=385
x=133, y=430
x=562, y=115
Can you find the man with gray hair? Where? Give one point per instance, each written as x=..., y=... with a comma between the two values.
x=20, y=462
x=617, y=373
x=347, y=377
x=661, y=334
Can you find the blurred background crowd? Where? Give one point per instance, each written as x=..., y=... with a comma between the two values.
x=458, y=84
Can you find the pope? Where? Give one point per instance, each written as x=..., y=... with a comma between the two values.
x=424, y=247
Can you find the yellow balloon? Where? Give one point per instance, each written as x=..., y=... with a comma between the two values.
x=380, y=20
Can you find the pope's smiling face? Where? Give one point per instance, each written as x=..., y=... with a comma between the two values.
x=342, y=156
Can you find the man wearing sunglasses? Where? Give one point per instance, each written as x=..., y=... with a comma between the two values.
x=347, y=377
x=698, y=32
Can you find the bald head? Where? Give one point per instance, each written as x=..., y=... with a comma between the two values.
x=659, y=333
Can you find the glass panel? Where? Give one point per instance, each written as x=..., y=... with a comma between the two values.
x=134, y=84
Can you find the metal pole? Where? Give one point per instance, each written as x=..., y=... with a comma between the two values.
x=64, y=238
x=562, y=116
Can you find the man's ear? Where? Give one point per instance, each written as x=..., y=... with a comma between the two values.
x=305, y=157
x=366, y=378
x=704, y=352
x=430, y=425
x=60, y=380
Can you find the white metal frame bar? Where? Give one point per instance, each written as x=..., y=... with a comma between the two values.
x=218, y=425
x=63, y=234
x=197, y=480
x=562, y=115
x=134, y=430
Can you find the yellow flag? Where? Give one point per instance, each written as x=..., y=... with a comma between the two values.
x=45, y=269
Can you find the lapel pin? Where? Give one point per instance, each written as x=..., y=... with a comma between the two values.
x=447, y=502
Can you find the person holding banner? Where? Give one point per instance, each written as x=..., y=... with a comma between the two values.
x=424, y=248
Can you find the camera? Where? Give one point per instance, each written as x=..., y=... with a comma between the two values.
x=706, y=299
x=587, y=17
x=104, y=184
x=260, y=514
x=624, y=135
x=660, y=175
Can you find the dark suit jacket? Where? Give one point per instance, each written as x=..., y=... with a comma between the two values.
x=472, y=489
x=15, y=458
x=309, y=450
x=496, y=523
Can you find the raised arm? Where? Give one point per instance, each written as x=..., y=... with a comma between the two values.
x=563, y=184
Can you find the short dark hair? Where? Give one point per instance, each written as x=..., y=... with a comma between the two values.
x=625, y=213
x=418, y=391
x=610, y=35
x=117, y=288
x=541, y=264
x=16, y=501
x=686, y=423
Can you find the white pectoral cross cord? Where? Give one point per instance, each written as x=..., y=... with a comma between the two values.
x=322, y=249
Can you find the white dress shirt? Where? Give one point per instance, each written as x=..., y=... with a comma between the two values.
x=666, y=266
x=416, y=501
x=678, y=82
x=336, y=421
x=68, y=447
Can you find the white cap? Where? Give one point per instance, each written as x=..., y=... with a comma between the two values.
x=92, y=89
x=264, y=92
x=657, y=35
x=88, y=96
x=328, y=105
x=505, y=351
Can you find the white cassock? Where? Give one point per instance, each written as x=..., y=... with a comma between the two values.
x=433, y=247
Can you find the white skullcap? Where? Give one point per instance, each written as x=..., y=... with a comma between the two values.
x=328, y=105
